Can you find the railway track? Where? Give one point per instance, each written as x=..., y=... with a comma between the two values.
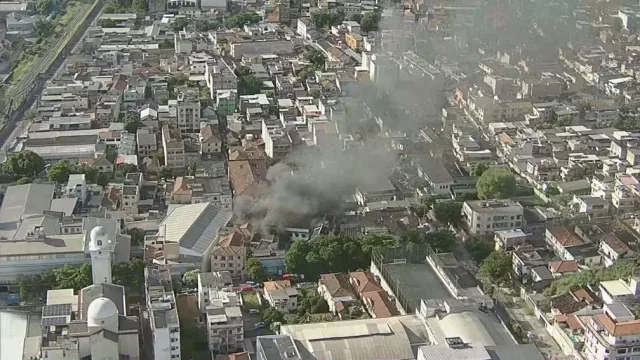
x=27, y=81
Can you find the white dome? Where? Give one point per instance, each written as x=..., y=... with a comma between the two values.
x=98, y=238
x=102, y=312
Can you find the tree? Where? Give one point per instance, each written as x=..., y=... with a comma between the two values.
x=356, y=17
x=478, y=169
x=138, y=5
x=312, y=303
x=327, y=18
x=479, y=248
x=316, y=58
x=166, y=44
x=272, y=315
x=497, y=267
x=373, y=241
x=566, y=120
x=137, y=236
x=295, y=259
x=179, y=23
x=442, y=241
x=242, y=19
x=59, y=172
x=193, y=341
x=89, y=172
x=129, y=168
x=24, y=164
x=132, y=126
x=496, y=183
x=370, y=21
x=43, y=28
x=129, y=274
x=255, y=270
x=207, y=25
x=24, y=180
x=190, y=279
x=69, y=277
x=425, y=204
x=107, y=23
x=103, y=180
x=248, y=84
x=165, y=172
x=43, y=7
x=448, y=212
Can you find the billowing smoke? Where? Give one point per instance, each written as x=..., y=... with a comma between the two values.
x=313, y=182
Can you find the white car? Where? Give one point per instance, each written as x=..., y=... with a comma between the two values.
x=254, y=311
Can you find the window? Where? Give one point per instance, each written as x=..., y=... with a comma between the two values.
x=622, y=351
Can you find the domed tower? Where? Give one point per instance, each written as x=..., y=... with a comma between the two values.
x=103, y=313
x=101, y=248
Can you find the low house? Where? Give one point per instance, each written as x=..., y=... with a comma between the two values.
x=509, y=239
x=374, y=298
x=561, y=268
x=336, y=289
x=612, y=248
x=621, y=290
x=281, y=295
x=561, y=238
x=579, y=299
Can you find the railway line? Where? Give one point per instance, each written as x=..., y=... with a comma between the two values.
x=23, y=94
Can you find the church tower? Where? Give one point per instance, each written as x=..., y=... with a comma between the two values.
x=101, y=249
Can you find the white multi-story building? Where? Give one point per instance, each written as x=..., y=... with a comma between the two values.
x=77, y=187
x=163, y=313
x=483, y=217
x=225, y=327
x=615, y=334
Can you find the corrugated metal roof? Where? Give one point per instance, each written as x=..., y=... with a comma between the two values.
x=194, y=226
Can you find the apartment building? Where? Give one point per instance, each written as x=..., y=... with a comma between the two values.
x=146, y=142
x=615, y=334
x=188, y=110
x=277, y=143
x=281, y=294
x=229, y=255
x=210, y=140
x=220, y=76
x=208, y=281
x=173, y=148
x=195, y=190
x=484, y=217
x=163, y=313
x=225, y=328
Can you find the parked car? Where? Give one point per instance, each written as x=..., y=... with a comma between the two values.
x=254, y=311
x=260, y=325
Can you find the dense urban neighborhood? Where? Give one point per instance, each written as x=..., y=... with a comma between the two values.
x=316, y=179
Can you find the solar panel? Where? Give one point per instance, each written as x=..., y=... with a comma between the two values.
x=51, y=321
x=56, y=310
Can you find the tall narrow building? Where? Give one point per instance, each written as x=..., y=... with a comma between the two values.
x=101, y=249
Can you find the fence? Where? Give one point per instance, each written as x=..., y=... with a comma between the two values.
x=408, y=254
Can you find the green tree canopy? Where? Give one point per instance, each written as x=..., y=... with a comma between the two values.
x=24, y=164
x=190, y=279
x=255, y=269
x=478, y=169
x=497, y=267
x=129, y=274
x=327, y=18
x=59, y=172
x=335, y=253
x=272, y=315
x=316, y=58
x=166, y=44
x=137, y=236
x=448, y=212
x=480, y=248
x=179, y=23
x=242, y=19
x=89, y=172
x=69, y=277
x=24, y=180
x=370, y=21
x=43, y=7
x=496, y=183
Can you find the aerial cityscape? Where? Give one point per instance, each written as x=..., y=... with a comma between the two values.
x=320, y=179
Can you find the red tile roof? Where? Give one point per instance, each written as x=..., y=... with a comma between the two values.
x=562, y=267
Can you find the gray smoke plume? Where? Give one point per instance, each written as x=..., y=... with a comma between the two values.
x=313, y=182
